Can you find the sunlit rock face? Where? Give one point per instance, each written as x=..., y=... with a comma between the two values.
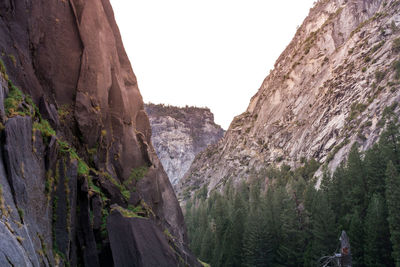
x=179, y=134
x=329, y=89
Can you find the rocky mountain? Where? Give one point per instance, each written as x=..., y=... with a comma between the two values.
x=179, y=134
x=80, y=183
x=331, y=87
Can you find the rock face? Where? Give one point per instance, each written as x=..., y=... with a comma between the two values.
x=179, y=134
x=329, y=89
x=76, y=142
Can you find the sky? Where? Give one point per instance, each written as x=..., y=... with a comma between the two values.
x=208, y=53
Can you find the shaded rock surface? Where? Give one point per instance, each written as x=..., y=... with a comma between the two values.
x=76, y=141
x=179, y=134
x=145, y=246
x=329, y=89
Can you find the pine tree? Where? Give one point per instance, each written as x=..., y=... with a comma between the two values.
x=377, y=243
x=255, y=241
x=207, y=246
x=293, y=239
x=390, y=143
x=375, y=166
x=393, y=205
x=338, y=189
x=356, y=236
x=323, y=228
x=355, y=174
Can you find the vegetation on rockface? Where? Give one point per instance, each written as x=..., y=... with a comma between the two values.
x=19, y=104
x=130, y=212
x=3, y=209
x=284, y=221
x=396, y=68
x=396, y=45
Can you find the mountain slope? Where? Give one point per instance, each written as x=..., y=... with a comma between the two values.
x=329, y=89
x=179, y=134
x=79, y=176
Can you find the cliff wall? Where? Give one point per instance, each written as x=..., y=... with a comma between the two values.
x=179, y=134
x=329, y=89
x=78, y=173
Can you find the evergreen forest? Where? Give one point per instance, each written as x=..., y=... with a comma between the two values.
x=279, y=218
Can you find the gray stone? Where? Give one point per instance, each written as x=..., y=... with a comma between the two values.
x=138, y=242
x=179, y=134
x=303, y=109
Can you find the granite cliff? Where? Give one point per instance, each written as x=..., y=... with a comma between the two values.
x=332, y=86
x=179, y=134
x=80, y=183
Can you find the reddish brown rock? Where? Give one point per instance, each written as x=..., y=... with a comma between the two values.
x=68, y=55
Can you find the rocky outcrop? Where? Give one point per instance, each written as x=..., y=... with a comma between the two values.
x=179, y=134
x=329, y=88
x=146, y=245
x=75, y=141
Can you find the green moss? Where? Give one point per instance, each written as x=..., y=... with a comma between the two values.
x=13, y=59
x=136, y=174
x=49, y=184
x=126, y=194
x=203, y=263
x=13, y=101
x=64, y=111
x=168, y=234
x=67, y=200
x=61, y=255
x=127, y=213
x=3, y=209
x=103, y=227
x=138, y=209
x=3, y=70
x=83, y=168
x=93, y=187
x=44, y=127
x=122, y=188
x=21, y=214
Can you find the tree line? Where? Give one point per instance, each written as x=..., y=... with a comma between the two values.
x=279, y=218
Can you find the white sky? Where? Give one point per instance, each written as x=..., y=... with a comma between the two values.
x=213, y=53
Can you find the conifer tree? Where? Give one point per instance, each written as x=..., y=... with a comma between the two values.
x=323, y=227
x=255, y=241
x=355, y=176
x=393, y=205
x=377, y=244
x=207, y=246
x=356, y=236
x=375, y=167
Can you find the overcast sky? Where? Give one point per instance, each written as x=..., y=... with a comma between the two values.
x=213, y=53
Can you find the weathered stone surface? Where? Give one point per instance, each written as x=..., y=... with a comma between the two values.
x=64, y=207
x=12, y=253
x=49, y=112
x=68, y=55
x=85, y=235
x=322, y=94
x=138, y=242
x=26, y=177
x=179, y=134
x=3, y=94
